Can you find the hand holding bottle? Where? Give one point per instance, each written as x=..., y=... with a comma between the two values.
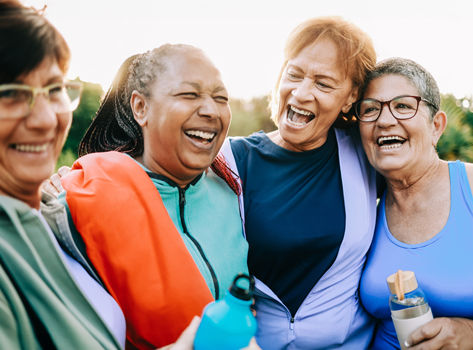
x=186, y=340
x=409, y=307
x=443, y=333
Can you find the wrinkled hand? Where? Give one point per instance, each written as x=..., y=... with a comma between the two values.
x=53, y=185
x=443, y=333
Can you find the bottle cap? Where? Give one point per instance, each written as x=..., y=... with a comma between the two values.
x=406, y=278
x=242, y=292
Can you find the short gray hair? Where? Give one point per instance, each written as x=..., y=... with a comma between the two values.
x=415, y=73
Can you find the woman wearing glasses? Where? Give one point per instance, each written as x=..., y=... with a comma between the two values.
x=425, y=216
x=47, y=299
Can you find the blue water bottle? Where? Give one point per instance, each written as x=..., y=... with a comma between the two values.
x=228, y=323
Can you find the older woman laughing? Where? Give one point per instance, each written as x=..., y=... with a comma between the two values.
x=425, y=217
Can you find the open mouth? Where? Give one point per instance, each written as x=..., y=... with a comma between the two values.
x=204, y=137
x=299, y=117
x=30, y=148
x=390, y=142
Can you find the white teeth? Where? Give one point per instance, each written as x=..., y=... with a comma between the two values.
x=31, y=148
x=301, y=111
x=202, y=134
x=383, y=139
x=396, y=145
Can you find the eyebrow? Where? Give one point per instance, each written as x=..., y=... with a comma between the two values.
x=198, y=87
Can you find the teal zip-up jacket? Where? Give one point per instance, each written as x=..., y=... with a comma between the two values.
x=206, y=214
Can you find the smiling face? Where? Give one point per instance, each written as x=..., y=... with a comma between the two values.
x=30, y=146
x=314, y=89
x=398, y=148
x=186, y=118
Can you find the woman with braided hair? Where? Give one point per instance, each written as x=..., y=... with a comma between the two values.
x=161, y=228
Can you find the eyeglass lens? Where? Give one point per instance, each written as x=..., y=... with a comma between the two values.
x=16, y=101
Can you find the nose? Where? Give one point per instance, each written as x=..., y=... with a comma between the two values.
x=302, y=92
x=42, y=115
x=385, y=118
x=208, y=108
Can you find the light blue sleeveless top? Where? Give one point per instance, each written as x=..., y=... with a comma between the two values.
x=443, y=265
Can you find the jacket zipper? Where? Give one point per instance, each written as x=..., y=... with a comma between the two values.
x=182, y=202
x=292, y=319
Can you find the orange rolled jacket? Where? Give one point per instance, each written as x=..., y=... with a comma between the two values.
x=135, y=247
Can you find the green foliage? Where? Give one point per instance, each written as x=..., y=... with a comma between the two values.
x=90, y=102
x=83, y=115
x=457, y=139
x=253, y=115
x=67, y=157
x=250, y=116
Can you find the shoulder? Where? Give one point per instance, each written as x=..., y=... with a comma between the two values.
x=469, y=173
x=241, y=147
x=248, y=142
x=216, y=186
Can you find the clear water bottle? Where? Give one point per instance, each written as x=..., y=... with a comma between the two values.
x=228, y=324
x=409, y=308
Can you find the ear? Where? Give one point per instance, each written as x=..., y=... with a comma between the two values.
x=350, y=100
x=139, y=106
x=439, y=124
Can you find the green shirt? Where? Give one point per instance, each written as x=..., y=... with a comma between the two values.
x=40, y=304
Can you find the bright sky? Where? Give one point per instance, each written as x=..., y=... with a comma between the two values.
x=245, y=38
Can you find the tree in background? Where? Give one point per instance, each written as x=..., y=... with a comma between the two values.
x=457, y=140
x=83, y=115
x=250, y=116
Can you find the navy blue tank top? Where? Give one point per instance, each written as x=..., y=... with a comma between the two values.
x=294, y=213
x=443, y=265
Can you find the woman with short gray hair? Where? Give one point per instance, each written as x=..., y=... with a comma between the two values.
x=425, y=216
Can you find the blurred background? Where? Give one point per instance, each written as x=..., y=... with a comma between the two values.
x=245, y=39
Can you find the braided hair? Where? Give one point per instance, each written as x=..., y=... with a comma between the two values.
x=114, y=127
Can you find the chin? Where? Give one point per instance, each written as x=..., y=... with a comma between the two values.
x=37, y=174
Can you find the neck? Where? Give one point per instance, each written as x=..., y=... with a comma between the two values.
x=32, y=198
x=156, y=168
x=414, y=183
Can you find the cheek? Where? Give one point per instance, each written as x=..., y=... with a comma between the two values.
x=7, y=130
x=226, y=116
x=64, y=125
x=285, y=89
x=365, y=133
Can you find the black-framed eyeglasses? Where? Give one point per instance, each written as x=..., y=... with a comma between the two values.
x=401, y=107
x=17, y=100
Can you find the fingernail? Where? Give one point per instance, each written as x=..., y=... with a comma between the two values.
x=407, y=344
